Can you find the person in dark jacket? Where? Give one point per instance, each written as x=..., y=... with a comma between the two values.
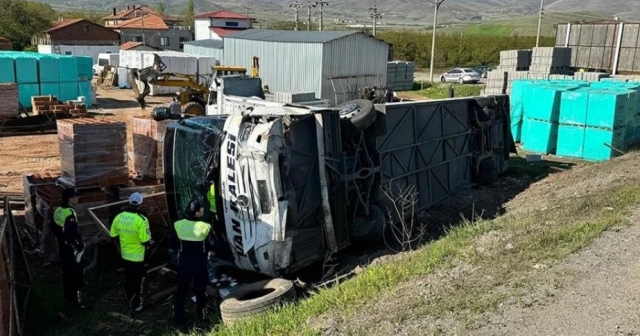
x=65, y=227
x=193, y=240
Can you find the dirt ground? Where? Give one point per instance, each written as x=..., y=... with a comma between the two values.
x=40, y=153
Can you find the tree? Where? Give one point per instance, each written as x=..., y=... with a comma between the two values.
x=160, y=7
x=21, y=20
x=189, y=12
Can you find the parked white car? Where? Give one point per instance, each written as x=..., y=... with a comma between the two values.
x=460, y=75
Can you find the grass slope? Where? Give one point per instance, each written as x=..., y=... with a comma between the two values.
x=539, y=235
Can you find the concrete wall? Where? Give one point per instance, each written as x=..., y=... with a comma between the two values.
x=602, y=46
x=202, y=31
x=152, y=37
x=76, y=50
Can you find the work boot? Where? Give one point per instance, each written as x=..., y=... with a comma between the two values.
x=201, y=314
x=179, y=319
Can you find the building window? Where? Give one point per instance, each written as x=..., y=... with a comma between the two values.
x=182, y=41
x=68, y=53
x=136, y=38
x=164, y=41
x=231, y=24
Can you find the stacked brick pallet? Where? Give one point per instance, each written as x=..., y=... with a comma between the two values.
x=34, y=222
x=514, y=64
x=155, y=208
x=50, y=105
x=148, y=136
x=93, y=152
x=540, y=63
x=550, y=61
x=400, y=75
x=9, y=99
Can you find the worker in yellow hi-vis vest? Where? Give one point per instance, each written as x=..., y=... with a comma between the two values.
x=193, y=240
x=65, y=227
x=211, y=197
x=131, y=228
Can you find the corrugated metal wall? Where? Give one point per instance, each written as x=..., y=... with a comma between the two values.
x=204, y=51
x=594, y=46
x=360, y=58
x=284, y=66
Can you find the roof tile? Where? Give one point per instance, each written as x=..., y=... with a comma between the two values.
x=144, y=22
x=222, y=14
x=64, y=23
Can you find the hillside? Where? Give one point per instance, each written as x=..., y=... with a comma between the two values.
x=394, y=11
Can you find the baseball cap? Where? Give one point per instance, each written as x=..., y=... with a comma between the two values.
x=135, y=198
x=69, y=193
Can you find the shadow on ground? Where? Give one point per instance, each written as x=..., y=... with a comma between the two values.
x=479, y=202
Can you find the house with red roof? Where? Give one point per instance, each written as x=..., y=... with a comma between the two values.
x=145, y=25
x=79, y=37
x=218, y=24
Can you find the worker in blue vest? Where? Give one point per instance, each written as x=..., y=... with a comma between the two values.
x=65, y=228
x=193, y=240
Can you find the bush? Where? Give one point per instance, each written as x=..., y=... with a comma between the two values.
x=455, y=50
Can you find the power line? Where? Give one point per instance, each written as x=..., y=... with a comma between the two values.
x=436, y=5
x=321, y=4
x=309, y=5
x=539, y=22
x=373, y=13
x=296, y=9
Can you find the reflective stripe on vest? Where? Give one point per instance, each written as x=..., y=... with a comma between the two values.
x=61, y=214
x=133, y=230
x=211, y=197
x=195, y=231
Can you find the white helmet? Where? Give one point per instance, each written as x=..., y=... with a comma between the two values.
x=135, y=198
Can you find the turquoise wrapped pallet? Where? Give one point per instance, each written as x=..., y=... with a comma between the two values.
x=542, y=103
x=573, y=107
x=49, y=70
x=539, y=136
x=68, y=91
x=68, y=69
x=84, y=89
x=596, y=141
x=570, y=141
x=8, y=72
x=50, y=89
x=25, y=92
x=26, y=70
x=85, y=68
x=517, y=113
x=609, y=109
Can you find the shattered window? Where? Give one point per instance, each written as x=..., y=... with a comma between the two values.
x=196, y=157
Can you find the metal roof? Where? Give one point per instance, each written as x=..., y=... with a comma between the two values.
x=209, y=43
x=291, y=35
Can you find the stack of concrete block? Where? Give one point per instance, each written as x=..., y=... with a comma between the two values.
x=293, y=97
x=515, y=60
x=93, y=153
x=551, y=60
x=148, y=136
x=499, y=82
x=9, y=99
x=400, y=75
x=590, y=76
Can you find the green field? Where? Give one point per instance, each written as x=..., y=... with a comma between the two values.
x=521, y=26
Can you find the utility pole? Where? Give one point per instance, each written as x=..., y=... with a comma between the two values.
x=309, y=5
x=539, y=22
x=321, y=4
x=296, y=9
x=436, y=4
x=375, y=16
